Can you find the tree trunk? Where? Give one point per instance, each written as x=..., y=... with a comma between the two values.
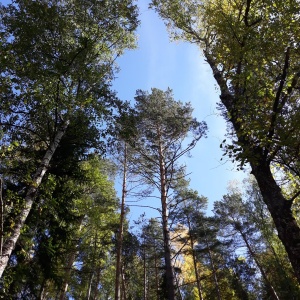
x=89, y=291
x=65, y=284
x=166, y=234
x=214, y=270
x=10, y=242
x=121, y=229
x=199, y=286
x=145, y=271
x=71, y=261
x=156, y=275
x=124, y=297
x=1, y=217
x=95, y=297
x=43, y=292
x=261, y=269
x=280, y=209
x=167, y=253
x=179, y=296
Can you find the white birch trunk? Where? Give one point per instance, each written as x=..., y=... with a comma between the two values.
x=10, y=242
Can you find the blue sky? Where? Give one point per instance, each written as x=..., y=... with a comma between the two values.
x=160, y=63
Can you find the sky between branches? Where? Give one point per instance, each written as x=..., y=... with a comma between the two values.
x=160, y=63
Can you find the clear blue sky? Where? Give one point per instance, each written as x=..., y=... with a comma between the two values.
x=161, y=64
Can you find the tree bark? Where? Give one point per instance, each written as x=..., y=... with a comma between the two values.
x=261, y=269
x=156, y=275
x=279, y=207
x=145, y=271
x=166, y=234
x=124, y=291
x=214, y=271
x=280, y=210
x=89, y=291
x=10, y=242
x=71, y=261
x=199, y=286
x=121, y=229
x=65, y=284
x=98, y=280
x=1, y=216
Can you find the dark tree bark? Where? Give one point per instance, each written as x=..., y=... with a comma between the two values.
x=280, y=210
x=261, y=269
x=278, y=205
x=166, y=233
x=121, y=229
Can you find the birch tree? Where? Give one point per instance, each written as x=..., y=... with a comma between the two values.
x=57, y=60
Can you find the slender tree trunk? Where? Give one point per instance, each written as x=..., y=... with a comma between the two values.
x=165, y=225
x=145, y=271
x=121, y=228
x=156, y=275
x=214, y=270
x=199, y=286
x=43, y=292
x=123, y=285
x=179, y=297
x=71, y=261
x=10, y=242
x=96, y=288
x=65, y=284
x=88, y=294
x=1, y=216
x=261, y=269
x=92, y=270
x=167, y=253
x=280, y=209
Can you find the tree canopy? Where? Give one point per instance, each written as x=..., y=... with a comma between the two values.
x=64, y=135
x=252, y=49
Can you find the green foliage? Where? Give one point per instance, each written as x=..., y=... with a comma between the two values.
x=245, y=220
x=57, y=62
x=252, y=49
x=161, y=125
x=73, y=214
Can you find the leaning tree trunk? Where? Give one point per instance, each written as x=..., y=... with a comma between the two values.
x=278, y=205
x=261, y=269
x=11, y=240
x=280, y=210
